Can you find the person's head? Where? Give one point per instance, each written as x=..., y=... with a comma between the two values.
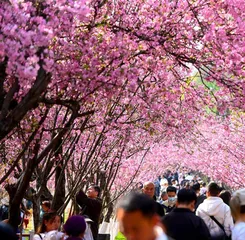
x=171, y=191
x=173, y=181
x=46, y=205
x=93, y=191
x=139, y=185
x=7, y=232
x=75, y=226
x=225, y=195
x=187, y=185
x=213, y=190
x=237, y=204
x=149, y=189
x=164, y=196
x=196, y=188
x=137, y=216
x=50, y=222
x=186, y=198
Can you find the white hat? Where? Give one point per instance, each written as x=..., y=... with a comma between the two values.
x=241, y=195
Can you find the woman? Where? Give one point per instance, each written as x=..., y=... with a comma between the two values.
x=237, y=205
x=49, y=228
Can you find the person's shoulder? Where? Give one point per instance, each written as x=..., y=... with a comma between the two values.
x=38, y=236
x=238, y=230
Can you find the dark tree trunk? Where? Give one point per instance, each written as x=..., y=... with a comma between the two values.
x=36, y=212
x=14, y=207
x=59, y=195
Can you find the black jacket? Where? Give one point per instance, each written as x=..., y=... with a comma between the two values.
x=183, y=224
x=160, y=210
x=92, y=208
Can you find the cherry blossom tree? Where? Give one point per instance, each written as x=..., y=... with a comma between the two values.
x=115, y=77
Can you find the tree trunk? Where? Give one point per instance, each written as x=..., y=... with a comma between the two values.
x=36, y=211
x=14, y=207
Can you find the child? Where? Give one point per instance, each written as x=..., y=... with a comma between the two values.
x=75, y=227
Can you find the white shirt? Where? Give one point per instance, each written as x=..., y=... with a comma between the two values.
x=238, y=232
x=52, y=235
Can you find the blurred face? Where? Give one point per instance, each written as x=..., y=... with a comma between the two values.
x=52, y=224
x=92, y=193
x=45, y=208
x=135, y=226
x=149, y=189
x=164, y=197
x=171, y=198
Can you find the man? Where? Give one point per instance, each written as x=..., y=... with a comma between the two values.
x=164, y=197
x=138, y=219
x=181, y=223
x=182, y=183
x=200, y=197
x=149, y=190
x=157, y=186
x=91, y=206
x=170, y=203
x=214, y=206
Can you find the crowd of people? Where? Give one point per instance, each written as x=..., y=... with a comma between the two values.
x=170, y=208
x=189, y=209
x=83, y=226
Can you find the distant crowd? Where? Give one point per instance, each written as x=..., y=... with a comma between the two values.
x=188, y=208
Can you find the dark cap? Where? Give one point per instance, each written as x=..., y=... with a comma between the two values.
x=75, y=225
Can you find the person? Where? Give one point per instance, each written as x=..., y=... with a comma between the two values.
x=174, y=183
x=215, y=213
x=75, y=227
x=203, y=189
x=182, y=223
x=225, y=195
x=91, y=206
x=157, y=186
x=4, y=209
x=138, y=218
x=48, y=229
x=169, y=204
x=182, y=183
x=237, y=205
x=149, y=190
x=164, y=197
x=163, y=184
x=200, y=197
x=45, y=208
x=7, y=232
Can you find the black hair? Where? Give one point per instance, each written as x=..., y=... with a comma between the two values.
x=196, y=187
x=186, y=196
x=138, y=202
x=225, y=195
x=163, y=193
x=96, y=188
x=171, y=189
x=7, y=232
x=47, y=217
x=46, y=204
x=242, y=209
x=213, y=189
